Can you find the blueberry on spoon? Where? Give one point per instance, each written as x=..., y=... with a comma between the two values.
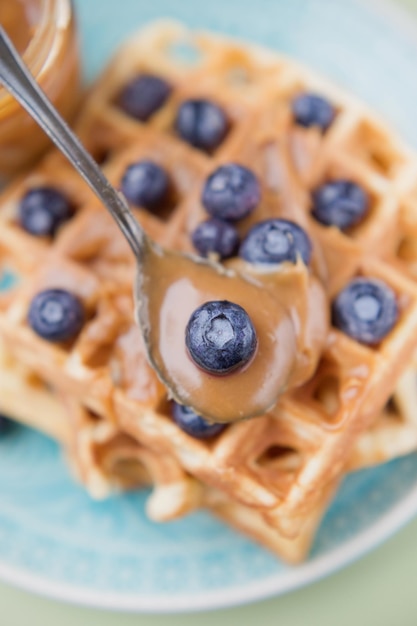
x=220, y=337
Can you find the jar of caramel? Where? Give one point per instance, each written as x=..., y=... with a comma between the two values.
x=43, y=32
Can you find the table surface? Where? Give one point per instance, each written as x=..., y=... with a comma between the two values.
x=378, y=589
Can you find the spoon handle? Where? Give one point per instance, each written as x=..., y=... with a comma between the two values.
x=19, y=82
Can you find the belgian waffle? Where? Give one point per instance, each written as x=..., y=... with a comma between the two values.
x=280, y=466
x=107, y=460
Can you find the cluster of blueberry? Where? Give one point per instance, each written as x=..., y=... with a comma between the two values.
x=366, y=309
x=220, y=336
x=341, y=203
x=201, y=123
x=230, y=194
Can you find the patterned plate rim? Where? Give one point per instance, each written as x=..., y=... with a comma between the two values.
x=278, y=584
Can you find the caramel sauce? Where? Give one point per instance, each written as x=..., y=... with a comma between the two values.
x=302, y=294
x=287, y=307
x=18, y=18
x=49, y=47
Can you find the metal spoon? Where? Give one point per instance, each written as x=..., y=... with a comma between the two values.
x=186, y=384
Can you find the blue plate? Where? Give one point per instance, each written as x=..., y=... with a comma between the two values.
x=53, y=538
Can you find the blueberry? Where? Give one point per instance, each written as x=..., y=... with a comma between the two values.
x=145, y=184
x=366, y=310
x=43, y=210
x=220, y=337
x=231, y=192
x=202, y=124
x=5, y=425
x=217, y=236
x=340, y=203
x=194, y=424
x=310, y=109
x=143, y=96
x=275, y=241
x=56, y=315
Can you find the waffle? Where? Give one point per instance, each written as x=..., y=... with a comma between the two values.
x=280, y=466
x=106, y=460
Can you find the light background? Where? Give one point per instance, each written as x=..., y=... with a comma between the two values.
x=380, y=590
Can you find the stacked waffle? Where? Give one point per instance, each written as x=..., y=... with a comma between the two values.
x=273, y=476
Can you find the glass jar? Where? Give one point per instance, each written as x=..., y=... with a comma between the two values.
x=44, y=33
